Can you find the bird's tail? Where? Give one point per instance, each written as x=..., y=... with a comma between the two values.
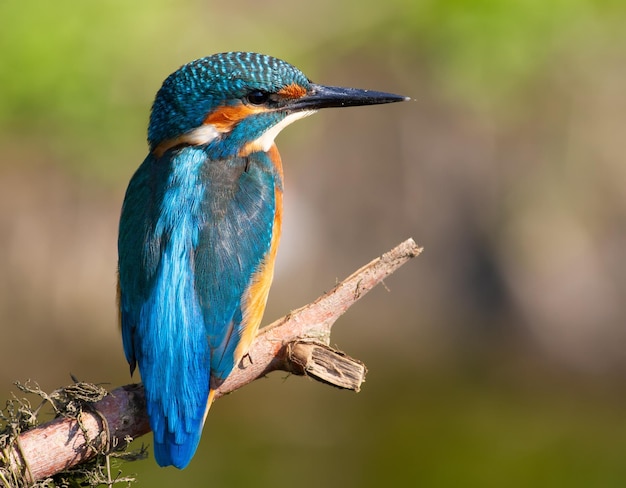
x=176, y=445
x=176, y=451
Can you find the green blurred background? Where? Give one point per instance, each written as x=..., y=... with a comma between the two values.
x=496, y=358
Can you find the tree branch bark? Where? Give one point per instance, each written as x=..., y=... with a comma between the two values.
x=297, y=343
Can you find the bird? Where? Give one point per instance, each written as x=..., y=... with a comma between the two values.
x=200, y=226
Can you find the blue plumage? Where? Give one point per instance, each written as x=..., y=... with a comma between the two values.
x=241, y=214
x=161, y=316
x=199, y=230
x=180, y=312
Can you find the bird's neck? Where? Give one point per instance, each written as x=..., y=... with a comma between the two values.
x=277, y=162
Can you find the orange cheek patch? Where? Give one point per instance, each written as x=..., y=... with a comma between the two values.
x=225, y=117
x=292, y=91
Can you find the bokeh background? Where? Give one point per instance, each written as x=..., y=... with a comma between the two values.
x=496, y=358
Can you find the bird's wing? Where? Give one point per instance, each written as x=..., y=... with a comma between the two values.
x=240, y=206
x=162, y=324
x=139, y=248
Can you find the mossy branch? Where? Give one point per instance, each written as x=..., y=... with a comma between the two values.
x=297, y=343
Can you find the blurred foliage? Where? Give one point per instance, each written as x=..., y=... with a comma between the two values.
x=85, y=71
x=488, y=49
x=498, y=357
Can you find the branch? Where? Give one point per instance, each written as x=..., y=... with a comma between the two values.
x=297, y=343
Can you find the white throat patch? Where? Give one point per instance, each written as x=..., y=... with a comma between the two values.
x=209, y=132
x=265, y=141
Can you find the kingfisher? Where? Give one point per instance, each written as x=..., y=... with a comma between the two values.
x=200, y=226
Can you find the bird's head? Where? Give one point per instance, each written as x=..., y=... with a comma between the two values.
x=238, y=102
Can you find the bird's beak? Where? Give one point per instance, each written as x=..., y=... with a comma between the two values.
x=320, y=96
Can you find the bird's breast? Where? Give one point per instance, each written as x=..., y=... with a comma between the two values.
x=255, y=296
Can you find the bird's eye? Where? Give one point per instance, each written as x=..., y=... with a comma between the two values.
x=258, y=97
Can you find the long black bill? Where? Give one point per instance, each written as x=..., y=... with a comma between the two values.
x=321, y=96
